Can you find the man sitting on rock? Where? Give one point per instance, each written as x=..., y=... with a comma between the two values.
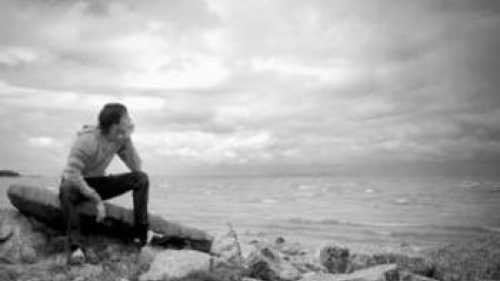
x=84, y=177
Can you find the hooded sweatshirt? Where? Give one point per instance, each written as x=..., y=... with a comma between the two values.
x=90, y=156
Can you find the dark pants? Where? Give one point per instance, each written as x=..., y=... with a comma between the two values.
x=107, y=187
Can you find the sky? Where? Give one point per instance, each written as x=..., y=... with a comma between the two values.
x=230, y=86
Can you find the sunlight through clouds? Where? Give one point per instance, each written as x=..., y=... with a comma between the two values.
x=189, y=71
x=211, y=149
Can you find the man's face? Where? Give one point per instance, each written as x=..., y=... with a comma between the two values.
x=124, y=129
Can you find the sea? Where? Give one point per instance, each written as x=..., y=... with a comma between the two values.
x=312, y=210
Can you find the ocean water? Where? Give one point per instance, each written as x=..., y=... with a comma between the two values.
x=420, y=211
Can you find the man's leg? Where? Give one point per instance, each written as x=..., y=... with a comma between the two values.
x=70, y=197
x=115, y=185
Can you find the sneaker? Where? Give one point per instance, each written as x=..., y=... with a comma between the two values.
x=140, y=235
x=76, y=257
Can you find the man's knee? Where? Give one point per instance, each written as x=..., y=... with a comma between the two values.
x=141, y=179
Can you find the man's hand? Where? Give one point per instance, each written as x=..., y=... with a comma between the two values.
x=101, y=211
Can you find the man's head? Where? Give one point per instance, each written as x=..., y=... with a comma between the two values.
x=115, y=122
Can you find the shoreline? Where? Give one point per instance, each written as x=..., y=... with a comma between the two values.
x=118, y=260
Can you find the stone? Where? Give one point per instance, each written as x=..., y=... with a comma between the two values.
x=86, y=271
x=407, y=276
x=231, y=251
x=170, y=264
x=267, y=264
x=358, y=261
x=412, y=263
x=335, y=258
x=59, y=277
x=305, y=264
x=148, y=255
x=415, y=264
x=287, y=248
x=386, y=272
x=43, y=204
x=6, y=232
x=23, y=242
x=7, y=274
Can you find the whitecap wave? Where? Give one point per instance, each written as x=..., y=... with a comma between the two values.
x=269, y=201
x=401, y=200
x=469, y=184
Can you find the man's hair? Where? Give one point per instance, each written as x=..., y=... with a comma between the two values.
x=111, y=114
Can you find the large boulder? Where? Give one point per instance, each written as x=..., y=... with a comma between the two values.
x=43, y=204
x=172, y=264
x=20, y=239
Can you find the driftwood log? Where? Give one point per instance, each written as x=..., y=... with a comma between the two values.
x=43, y=204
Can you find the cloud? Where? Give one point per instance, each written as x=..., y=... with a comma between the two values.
x=102, y=45
x=302, y=82
x=196, y=147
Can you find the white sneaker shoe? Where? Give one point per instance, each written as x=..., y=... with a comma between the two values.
x=77, y=257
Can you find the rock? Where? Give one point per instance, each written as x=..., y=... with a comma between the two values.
x=416, y=264
x=85, y=272
x=358, y=261
x=5, y=232
x=8, y=274
x=228, y=249
x=477, y=258
x=335, y=258
x=266, y=264
x=171, y=264
x=305, y=264
x=9, y=173
x=22, y=243
x=148, y=255
x=43, y=204
x=59, y=277
x=378, y=273
x=407, y=276
x=288, y=248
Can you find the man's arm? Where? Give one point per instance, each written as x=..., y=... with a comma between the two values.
x=78, y=156
x=128, y=154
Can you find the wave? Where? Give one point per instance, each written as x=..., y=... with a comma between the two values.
x=269, y=201
x=304, y=221
x=335, y=222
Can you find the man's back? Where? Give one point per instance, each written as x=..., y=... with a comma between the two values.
x=91, y=153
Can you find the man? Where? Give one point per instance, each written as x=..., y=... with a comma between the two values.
x=84, y=177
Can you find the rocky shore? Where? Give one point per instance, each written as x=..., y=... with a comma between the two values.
x=31, y=250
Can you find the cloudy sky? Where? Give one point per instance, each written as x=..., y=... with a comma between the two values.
x=268, y=85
